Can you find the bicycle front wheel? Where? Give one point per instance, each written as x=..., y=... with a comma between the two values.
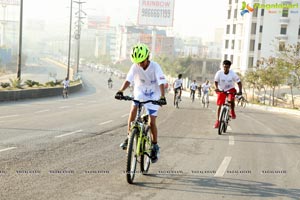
x=132, y=156
x=222, y=121
x=226, y=120
x=146, y=150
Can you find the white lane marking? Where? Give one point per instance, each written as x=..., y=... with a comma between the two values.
x=222, y=169
x=106, y=122
x=9, y=116
x=7, y=149
x=229, y=128
x=59, y=136
x=79, y=104
x=231, y=140
x=125, y=115
x=41, y=111
x=65, y=107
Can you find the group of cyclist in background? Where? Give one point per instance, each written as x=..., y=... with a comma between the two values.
x=224, y=82
x=204, y=89
x=149, y=84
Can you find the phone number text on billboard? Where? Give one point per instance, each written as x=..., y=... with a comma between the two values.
x=156, y=13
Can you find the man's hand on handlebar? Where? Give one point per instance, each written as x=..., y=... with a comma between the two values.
x=119, y=95
x=162, y=101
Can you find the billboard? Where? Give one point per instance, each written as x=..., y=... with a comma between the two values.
x=10, y=2
x=99, y=22
x=156, y=12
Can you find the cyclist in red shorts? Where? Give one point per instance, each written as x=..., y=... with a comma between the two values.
x=225, y=80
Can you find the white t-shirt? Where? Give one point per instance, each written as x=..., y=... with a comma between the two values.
x=177, y=83
x=226, y=81
x=66, y=83
x=205, y=87
x=193, y=86
x=146, y=82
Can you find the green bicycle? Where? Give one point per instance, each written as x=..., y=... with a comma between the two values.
x=139, y=145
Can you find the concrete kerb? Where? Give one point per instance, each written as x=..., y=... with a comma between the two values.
x=274, y=109
x=14, y=95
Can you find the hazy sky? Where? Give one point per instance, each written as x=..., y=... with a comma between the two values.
x=191, y=17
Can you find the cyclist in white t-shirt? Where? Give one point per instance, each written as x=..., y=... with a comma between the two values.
x=205, y=89
x=193, y=88
x=225, y=82
x=177, y=87
x=66, y=84
x=149, y=80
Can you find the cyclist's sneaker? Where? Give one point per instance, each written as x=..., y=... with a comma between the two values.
x=124, y=144
x=217, y=124
x=154, y=153
x=232, y=114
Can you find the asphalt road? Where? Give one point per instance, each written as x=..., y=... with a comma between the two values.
x=69, y=149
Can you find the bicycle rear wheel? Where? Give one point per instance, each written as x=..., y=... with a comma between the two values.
x=177, y=102
x=145, y=157
x=64, y=93
x=131, y=156
x=222, y=121
x=243, y=104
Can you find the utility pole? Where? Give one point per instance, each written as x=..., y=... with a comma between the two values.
x=70, y=36
x=78, y=31
x=20, y=42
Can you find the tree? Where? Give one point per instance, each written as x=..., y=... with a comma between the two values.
x=263, y=80
x=289, y=63
x=274, y=77
x=291, y=60
x=251, y=78
x=171, y=66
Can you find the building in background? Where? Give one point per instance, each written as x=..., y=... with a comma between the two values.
x=9, y=31
x=258, y=30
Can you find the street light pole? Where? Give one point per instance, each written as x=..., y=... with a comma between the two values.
x=70, y=36
x=20, y=42
x=78, y=32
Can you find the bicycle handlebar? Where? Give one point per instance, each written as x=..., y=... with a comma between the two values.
x=226, y=92
x=129, y=98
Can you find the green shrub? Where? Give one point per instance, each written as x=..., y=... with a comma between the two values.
x=16, y=83
x=31, y=83
x=50, y=83
x=5, y=85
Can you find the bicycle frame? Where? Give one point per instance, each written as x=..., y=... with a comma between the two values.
x=141, y=126
x=138, y=142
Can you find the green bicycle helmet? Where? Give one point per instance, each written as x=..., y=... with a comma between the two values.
x=140, y=52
